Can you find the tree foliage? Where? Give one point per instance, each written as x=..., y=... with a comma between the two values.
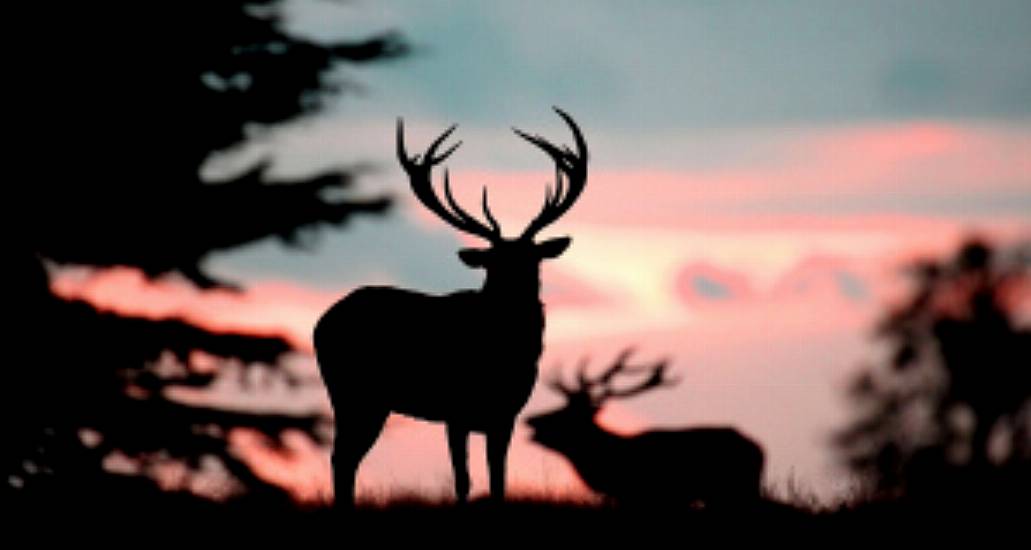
x=949, y=411
x=128, y=104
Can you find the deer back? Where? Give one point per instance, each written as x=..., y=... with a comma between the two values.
x=433, y=357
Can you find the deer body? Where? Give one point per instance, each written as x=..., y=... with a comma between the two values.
x=405, y=364
x=717, y=466
x=469, y=358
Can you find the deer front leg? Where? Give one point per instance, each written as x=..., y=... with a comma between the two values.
x=497, y=454
x=457, y=439
x=356, y=432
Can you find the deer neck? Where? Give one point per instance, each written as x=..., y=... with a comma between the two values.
x=508, y=296
x=518, y=307
x=510, y=304
x=590, y=442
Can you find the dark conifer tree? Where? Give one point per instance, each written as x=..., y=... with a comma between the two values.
x=120, y=105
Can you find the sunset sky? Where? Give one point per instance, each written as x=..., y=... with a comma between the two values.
x=760, y=171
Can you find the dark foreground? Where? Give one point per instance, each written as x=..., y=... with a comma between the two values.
x=142, y=518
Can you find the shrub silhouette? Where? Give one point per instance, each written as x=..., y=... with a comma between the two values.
x=948, y=416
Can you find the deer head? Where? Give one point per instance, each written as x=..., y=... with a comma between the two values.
x=512, y=265
x=561, y=427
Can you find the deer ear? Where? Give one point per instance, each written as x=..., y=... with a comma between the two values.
x=473, y=257
x=553, y=248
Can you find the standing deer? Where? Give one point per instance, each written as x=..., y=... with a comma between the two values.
x=714, y=466
x=468, y=359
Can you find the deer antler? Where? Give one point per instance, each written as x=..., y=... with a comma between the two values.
x=656, y=377
x=556, y=383
x=573, y=166
x=418, y=170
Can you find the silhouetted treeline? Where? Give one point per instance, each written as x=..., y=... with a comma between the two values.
x=947, y=418
x=119, y=105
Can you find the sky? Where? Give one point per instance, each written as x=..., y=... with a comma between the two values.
x=760, y=173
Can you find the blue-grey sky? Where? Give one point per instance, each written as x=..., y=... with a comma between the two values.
x=670, y=64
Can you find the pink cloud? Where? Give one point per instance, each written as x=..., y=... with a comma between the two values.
x=912, y=161
x=269, y=308
x=977, y=158
x=273, y=308
x=294, y=462
x=703, y=284
x=563, y=290
x=824, y=277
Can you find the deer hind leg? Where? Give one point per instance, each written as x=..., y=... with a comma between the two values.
x=457, y=440
x=355, y=435
x=498, y=440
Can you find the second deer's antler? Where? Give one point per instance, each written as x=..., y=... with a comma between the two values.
x=600, y=388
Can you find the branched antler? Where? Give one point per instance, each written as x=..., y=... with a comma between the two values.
x=419, y=170
x=570, y=176
x=600, y=388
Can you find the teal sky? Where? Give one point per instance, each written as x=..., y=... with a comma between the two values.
x=658, y=65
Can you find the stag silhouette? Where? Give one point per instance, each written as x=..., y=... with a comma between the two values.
x=468, y=359
x=713, y=466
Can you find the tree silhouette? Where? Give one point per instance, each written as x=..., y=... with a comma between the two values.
x=131, y=101
x=949, y=413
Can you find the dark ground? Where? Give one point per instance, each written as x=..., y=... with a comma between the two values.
x=134, y=515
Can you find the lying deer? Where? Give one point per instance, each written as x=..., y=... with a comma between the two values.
x=468, y=359
x=712, y=466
